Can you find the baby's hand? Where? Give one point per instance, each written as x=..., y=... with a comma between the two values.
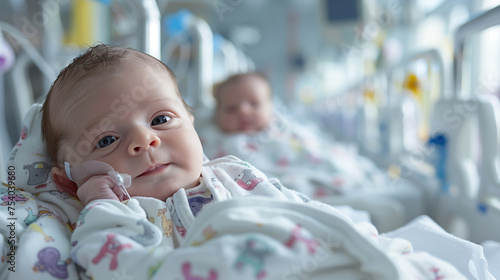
x=99, y=187
x=93, y=182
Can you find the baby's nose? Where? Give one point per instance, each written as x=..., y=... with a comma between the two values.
x=244, y=108
x=143, y=141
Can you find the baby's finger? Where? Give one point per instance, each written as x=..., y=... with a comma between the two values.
x=120, y=193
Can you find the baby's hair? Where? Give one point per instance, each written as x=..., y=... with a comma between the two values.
x=217, y=88
x=94, y=61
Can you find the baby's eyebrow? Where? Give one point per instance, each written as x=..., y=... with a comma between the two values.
x=98, y=126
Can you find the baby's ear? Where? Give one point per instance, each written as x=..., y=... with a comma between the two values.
x=60, y=178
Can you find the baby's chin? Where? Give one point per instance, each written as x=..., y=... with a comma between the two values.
x=243, y=131
x=250, y=131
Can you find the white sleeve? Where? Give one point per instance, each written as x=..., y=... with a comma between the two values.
x=115, y=239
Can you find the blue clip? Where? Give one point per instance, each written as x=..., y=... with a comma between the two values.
x=176, y=24
x=439, y=141
x=483, y=208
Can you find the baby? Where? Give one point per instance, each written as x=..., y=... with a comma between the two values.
x=288, y=148
x=123, y=108
x=249, y=111
x=247, y=126
x=115, y=110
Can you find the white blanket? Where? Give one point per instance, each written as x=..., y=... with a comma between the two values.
x=249, y=238
x=318, y=168
x=298, y=157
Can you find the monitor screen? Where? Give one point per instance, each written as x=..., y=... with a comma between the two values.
x=342, y=10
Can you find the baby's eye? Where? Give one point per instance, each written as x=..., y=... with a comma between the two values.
x=106, y=141
x=160, y=120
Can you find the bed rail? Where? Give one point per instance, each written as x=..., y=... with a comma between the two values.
x=431, y=55
x=20, y=97
x=477, y=24
x=484, y=108
x=149, y=27
x=181, y=23
x=400, y=139
x=471, y=190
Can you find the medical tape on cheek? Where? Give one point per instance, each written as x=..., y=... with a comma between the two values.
x=87, y=169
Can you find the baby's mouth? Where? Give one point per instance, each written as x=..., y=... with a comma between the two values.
x=245, y=124
x=154, y=169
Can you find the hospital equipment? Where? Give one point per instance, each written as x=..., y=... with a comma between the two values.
x=183, y=23
x=17, y=98
x=470, y=121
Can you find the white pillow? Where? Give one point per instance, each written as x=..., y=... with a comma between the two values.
x=31, y=163
x=29, y=158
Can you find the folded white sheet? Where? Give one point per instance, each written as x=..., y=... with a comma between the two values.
x=425, y=235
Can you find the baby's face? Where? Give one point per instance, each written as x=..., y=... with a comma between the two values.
x=133, y=120
x=244, y=106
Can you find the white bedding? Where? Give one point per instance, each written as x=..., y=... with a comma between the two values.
x=299, y=158
x=321, y=169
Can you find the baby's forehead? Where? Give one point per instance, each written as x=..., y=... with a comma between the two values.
x=139, y=80
x=249, y=84
x=133, y=67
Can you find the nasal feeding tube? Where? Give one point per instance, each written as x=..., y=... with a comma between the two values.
x=90, y=168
